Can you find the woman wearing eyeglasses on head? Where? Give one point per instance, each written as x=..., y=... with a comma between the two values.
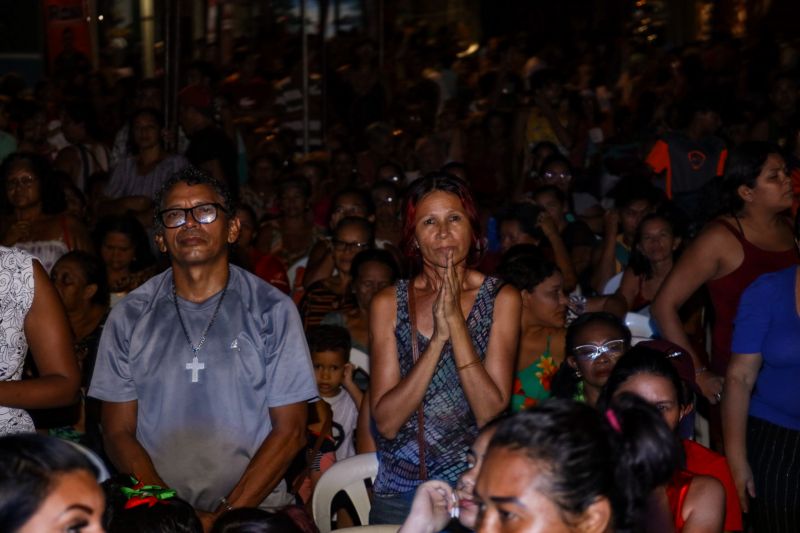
x=352, y=235
x=594, y=342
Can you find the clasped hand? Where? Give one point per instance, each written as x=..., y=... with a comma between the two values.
x=447, y=312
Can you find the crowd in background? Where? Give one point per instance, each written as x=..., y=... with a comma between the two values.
x=598, y=180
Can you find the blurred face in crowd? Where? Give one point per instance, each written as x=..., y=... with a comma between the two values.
x=657, y=242
x=373, y=276
x=552, y=204
x=511, y=233
x=556, y=173
x=70, y=282
x=547, y=304
x=293, y=202
x=146, y=131
x=387, y=204
x=348, y=205
x=247, y=233
x=347, y=242
x=631, y=215
x=118, y=251
x=23, y=188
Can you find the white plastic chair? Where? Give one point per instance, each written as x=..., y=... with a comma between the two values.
x=640, y=327
x=359, y=359
x=347, y=475
x=612, y=284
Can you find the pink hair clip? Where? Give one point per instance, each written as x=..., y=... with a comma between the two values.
x=612, y=419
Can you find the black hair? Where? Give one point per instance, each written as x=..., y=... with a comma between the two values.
x=555, y=157
x=620, y=455
x=129, y=226
x=396, y=167
x=93, y=270
x=524, y=266
x=363, y=223
x=631, y=190
x=743, y=166
x=544, y=144
x=527, y=215
x=82, y=112
x=550, y=189
x=362, y=195
x=191, y=175
x=638, y=262
x=565, y=381
x=172, y=515
x=253, y=520
x=326, y=337
x=53, y=199
x=29, y=466
x=297, y=182
x=642, y=360
x=374, y=255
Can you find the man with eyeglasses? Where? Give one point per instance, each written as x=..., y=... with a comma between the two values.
x=203, y=371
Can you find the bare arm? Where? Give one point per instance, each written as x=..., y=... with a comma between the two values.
x=50, y=341
x=119, y=437
x=393, y=400
x=560, y=253
x=365, y=442
x=739, y=382
x=698, y=264
x=269, y=464
x=488, y=386
x=704, y=507
x=628, y=287
x=604, y=258
x=610, y=303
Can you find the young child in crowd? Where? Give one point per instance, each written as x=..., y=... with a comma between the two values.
x=330, y=355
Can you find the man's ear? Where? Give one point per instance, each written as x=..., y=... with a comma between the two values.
x=596, y=518
x=159, y=239
x=234, y=227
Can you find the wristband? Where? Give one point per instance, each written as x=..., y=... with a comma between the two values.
x=471, y=363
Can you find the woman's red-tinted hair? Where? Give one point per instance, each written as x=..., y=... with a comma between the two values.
x=422, y=187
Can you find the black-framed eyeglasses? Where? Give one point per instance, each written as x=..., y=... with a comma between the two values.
x=203, y=213
x=342, y=246
x=590, y=352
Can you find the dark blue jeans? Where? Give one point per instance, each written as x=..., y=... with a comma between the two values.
x=390, y=509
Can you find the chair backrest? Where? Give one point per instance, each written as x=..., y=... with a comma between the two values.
x=347, y=475
x=640, y=327
x=359, y=359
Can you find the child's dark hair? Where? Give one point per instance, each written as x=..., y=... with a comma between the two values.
x=363, y=223
x=565, y=381
x=252, y=520
x=374, y=255
x=619, y=455
x=524, y=266
x=172, y=515
x=329, y=338
x=527, y=216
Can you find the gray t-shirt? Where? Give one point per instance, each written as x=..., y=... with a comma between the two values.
x=202, y=435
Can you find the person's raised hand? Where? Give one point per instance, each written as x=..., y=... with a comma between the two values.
x=547, y=225
x=452, y=297
x=431, y=508
x=347, y=378
x=441, y=330
x=611, y=223
x=710, y=385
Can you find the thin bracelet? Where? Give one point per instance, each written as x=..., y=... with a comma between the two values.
x=225, y=503
x=471, y=363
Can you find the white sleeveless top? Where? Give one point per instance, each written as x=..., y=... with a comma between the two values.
x=16, y=297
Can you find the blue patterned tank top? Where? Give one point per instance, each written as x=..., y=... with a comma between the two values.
x=450, y=426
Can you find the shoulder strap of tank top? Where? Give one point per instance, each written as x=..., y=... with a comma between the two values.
x=739, y=234
x=412, y=315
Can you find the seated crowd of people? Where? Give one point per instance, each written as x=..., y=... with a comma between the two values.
x=449, y=277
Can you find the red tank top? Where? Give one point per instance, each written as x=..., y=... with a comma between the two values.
x=677, y=489
x=726, y=291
